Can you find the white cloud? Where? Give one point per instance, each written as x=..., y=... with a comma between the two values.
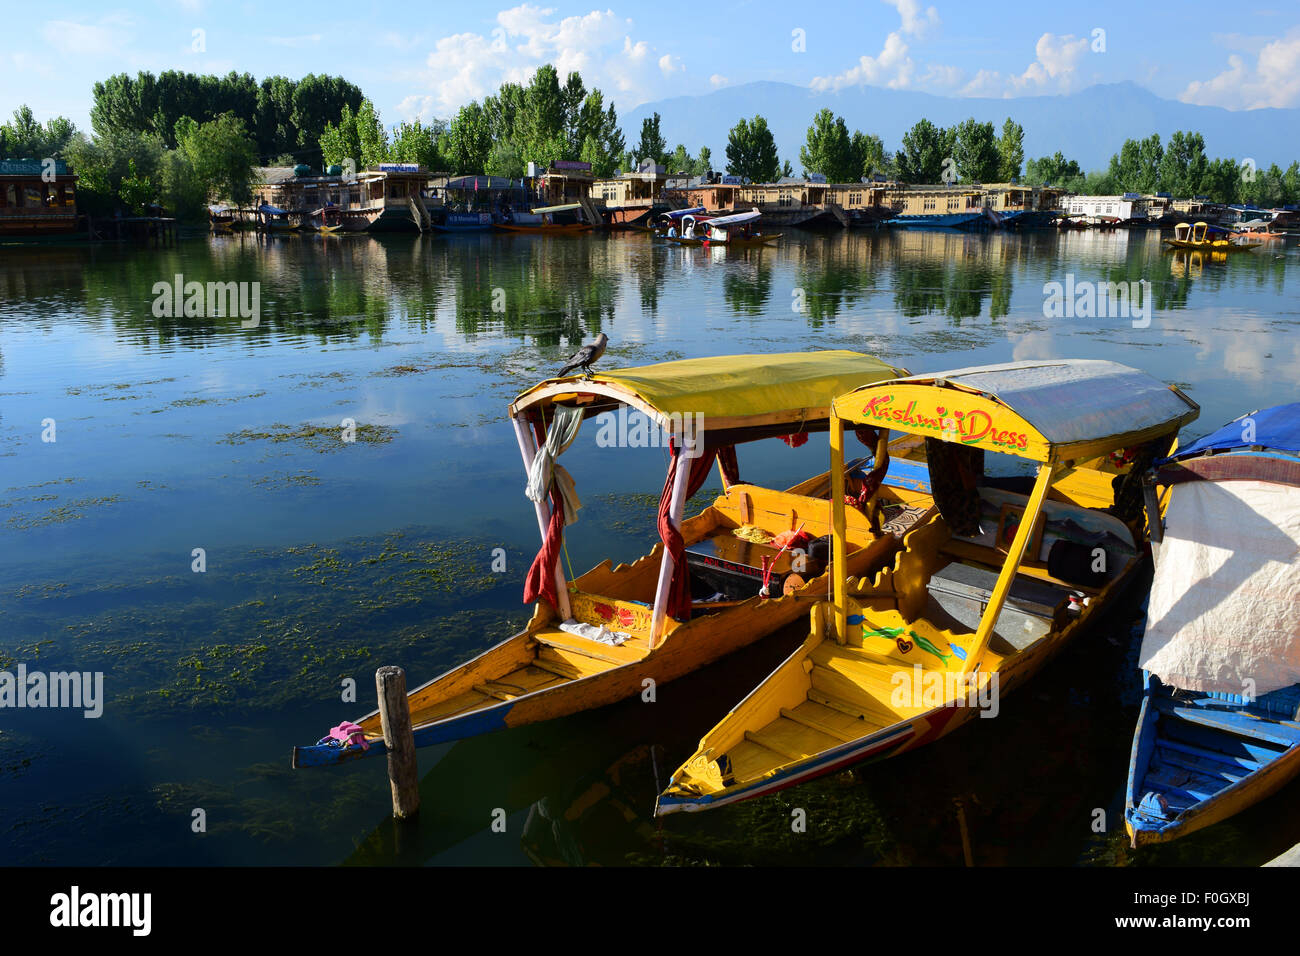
x=73, y=38
x=915, y=20
x=892, y=68
x=1055, y=70
x=599, y=45
x=1274, y=80
x=296, y=42
x=717, y=80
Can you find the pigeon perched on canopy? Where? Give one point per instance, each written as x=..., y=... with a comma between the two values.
x=585, y=356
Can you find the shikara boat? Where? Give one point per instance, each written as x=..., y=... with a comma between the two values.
x=549, y=220
x=696, y=596
x=1196, y=236
x=673, y=218
x=1262, y=229
x=1219, y=728
x=275, y=219
x=221, y=218
x=981, y=597
x=327, y=220
x=739, y=229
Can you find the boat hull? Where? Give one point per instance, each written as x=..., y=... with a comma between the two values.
x=954, y=220
x=1188, y=753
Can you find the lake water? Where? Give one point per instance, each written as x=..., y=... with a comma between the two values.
x=324, y=559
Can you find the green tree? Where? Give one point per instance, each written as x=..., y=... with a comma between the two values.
x=703, y=162
x=468, y=140
x=869, y=155
x=221, y=153
x=921, y=158
x=339, y=143
x=136, y=191
x=24, y=137
x=1055, y=170
x=975, y=152
x=652, y=144
x=1011, y=151
x=414, y=142
x=828, y=149
x=1221, y=182
x=1183, y=165
x=1136, y=167
x=751, y=151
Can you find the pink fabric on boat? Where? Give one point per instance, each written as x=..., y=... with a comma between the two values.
x=350, y=734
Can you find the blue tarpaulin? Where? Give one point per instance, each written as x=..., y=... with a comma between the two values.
x=1277, y=427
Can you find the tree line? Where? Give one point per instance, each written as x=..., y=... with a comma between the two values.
x=182, y=140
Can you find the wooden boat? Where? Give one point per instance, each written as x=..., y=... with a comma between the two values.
x=672, y=218
x=1261, y=229
x=274, y=219
x=738, y=229
x=1219, y=728
x=1195, y=236
x=221, y=218
x=980, y=597
x=549, y=220
x=328, y=220
x=684, y=605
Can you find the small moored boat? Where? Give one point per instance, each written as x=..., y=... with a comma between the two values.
x=548, y=220
x=1197, y=236
x=739, y=229
x=274, y=219
x=980, y=597
x=1219, y=728
x=715, y=582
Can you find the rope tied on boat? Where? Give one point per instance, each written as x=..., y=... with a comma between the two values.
x=769, y=564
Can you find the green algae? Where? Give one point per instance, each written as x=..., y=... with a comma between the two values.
x=319, y=438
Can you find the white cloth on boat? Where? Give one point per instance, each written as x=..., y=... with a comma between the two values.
x=594, y=632
x=563, y=430
x=1223, y=609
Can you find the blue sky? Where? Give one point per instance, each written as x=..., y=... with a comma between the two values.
x=425, y=60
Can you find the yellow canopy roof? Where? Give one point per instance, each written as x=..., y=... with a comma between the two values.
x=730, y=391
x=1044, y=410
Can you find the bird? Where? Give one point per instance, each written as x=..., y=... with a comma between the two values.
x=585, y=356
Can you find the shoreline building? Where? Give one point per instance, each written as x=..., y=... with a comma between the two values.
x=389, y=197
x=37, y=198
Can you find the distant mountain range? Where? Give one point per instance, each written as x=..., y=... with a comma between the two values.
x=1088, y=126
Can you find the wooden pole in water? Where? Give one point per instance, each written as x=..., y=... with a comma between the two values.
x=395, y=718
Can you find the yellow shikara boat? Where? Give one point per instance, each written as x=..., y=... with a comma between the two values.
x=980, y=597
x=1195, y=236
x=609, y=633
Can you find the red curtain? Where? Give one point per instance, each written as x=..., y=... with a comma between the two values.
x=727, y=462
x=679, y=587
x=541, y=576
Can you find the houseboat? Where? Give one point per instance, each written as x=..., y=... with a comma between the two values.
x=1128, y=209
x=383, y=198
x=804, y=203
x=565, y=182
x=633, y=199
x=37, y=198
x=939, y=206
x=477, y=203
x=1017, y=206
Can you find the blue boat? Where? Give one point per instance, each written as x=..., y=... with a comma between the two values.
x=948, y=220
x=1218, y=729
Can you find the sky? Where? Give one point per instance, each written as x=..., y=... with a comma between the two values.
x=427, y=59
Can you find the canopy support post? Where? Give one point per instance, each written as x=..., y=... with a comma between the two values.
x=528, y=449
x=666, y=567
x=1007, y=576
x=839, y=547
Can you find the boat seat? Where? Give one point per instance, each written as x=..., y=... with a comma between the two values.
x=960, y=591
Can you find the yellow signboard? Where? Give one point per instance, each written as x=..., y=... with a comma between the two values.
x=948, y=414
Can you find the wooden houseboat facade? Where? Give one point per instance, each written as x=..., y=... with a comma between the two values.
x=386, y=198
x=36, y=198
x=632, y=199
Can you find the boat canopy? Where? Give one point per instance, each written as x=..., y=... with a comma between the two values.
x=1222, y=616
x=219, y=210
x=678, y=213
x=269, y=210
x=787, y=389
x=735, y=219
x=1275, y=428
x=1043, y=410
x=566, y=207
